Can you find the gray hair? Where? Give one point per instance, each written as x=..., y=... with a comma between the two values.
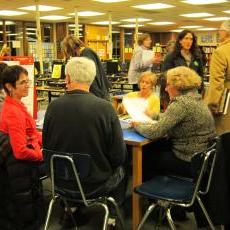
x=81, y=69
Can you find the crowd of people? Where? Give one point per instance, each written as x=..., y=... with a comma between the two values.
x=84, y=121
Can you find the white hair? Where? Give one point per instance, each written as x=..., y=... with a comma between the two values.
x=81, y=69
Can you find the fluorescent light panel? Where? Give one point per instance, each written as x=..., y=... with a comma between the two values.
x=11, y=13
x=197, y=15
x=153, y=6
x=190, y=27
x=177, y=30
x=41, y=8
x=134, y=20
x=161, y=23
x=204, y=2
x=54, y=17
x=130, y=25
x=73, y=25
x=87, y=13
x=104, y=23
x=110, y=1
x=217, y=19
x=227, y=11
x=207, y=29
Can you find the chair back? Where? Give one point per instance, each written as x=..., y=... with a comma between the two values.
x=67, y=171
x=202, y=166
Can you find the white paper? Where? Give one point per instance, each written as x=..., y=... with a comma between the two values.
x=147, y=55
x=136, y=107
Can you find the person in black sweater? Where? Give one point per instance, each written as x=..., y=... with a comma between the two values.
x=73, y=47
x=80, y=122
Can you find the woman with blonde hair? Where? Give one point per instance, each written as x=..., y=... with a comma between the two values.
x=187, y=122
x=73, y=47
x=146, y=83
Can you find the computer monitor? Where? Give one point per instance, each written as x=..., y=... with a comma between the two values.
x=58, y=70
x=111, y=67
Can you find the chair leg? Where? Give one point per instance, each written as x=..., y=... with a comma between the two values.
x=110, y=199
x=50, y=209
x=169, y=218
x=105, y=224
x=205, y=213
x=148, y=211
x=69, y=211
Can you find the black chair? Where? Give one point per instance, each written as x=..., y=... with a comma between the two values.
x=68, y=171
x=171, y=190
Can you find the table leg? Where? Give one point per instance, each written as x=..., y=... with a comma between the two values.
x=137, y=180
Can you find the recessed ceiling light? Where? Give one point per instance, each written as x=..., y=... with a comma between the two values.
x=217, y=19
x=204, y=2
x=130, y=25
x=153, y=6
x=115, y=32
x=54, y=17
x=134, y=20
x=190, y=27
x=207, y=29
x=104, y=23
x=41, y=8
x=110, y=1
x=161, y=23
x=227, y=11
x=87, y=13
x=197, y=15
x=7, y=23
x=11, y=13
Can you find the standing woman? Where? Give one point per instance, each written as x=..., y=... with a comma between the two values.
x=185, y=53
x=142, y=59
x=22, y=203
x=73, y=47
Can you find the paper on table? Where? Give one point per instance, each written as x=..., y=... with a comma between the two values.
x=136, y=107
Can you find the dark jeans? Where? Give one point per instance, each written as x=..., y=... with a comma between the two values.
x=159, y=159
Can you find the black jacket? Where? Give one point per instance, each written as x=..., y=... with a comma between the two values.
x=100, y=86
x=80, y=122
x=21, y=198
x=171, y=61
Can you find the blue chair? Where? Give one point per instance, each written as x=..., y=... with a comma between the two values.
x=68, y=171
x=171, y=190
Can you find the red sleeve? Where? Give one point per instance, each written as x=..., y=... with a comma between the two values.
x=18, y=138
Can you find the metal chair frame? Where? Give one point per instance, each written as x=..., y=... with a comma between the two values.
x=167, y=204
x=99, y=201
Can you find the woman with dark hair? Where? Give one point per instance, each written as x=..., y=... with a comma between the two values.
x=185, y=53
x=21, y=205
x=74, y=47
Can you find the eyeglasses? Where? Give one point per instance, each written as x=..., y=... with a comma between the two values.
x=24, y=82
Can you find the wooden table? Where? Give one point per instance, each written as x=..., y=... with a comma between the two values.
x=135, y=140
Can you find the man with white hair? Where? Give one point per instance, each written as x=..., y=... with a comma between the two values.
x=220, y=77
x=80, y=122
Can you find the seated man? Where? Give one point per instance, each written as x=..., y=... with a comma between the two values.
x=80, y=122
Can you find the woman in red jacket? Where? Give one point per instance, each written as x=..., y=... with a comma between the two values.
x=15, y=120
x=21, y=203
